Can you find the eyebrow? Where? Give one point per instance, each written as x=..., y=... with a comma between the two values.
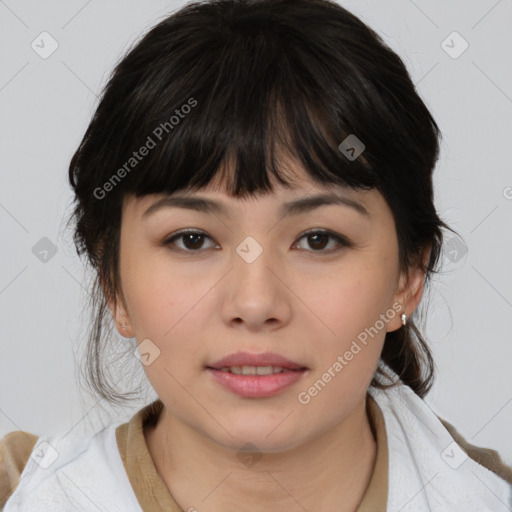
x=295, y=207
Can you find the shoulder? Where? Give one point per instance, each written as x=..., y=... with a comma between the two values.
x=418, y=433
x=15, y=449
x=61, y=465
x=484, y=456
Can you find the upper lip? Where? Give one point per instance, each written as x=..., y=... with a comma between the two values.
x=248, y=359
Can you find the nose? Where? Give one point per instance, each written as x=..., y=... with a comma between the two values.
x=256, y=295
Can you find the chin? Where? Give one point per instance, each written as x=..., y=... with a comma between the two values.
x=267, y=436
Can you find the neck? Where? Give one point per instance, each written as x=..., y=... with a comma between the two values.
x=337, y=471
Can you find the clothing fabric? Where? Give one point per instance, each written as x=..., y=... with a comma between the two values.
x=420, y=466
x=152, y=493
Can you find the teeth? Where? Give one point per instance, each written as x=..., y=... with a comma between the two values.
x=253, y=370
x=268, y=370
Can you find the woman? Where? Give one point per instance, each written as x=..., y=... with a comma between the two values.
x=255, y=196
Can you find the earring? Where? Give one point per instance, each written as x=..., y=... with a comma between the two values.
x=404, y=317
x=124, y=325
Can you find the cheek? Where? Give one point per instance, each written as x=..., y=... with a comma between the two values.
x=356, y=301
x=166, y=307
x=348, y=353
x=154, y=289
x=355, y=307
x=165, y=311
x=356, y=337
x=152, y=301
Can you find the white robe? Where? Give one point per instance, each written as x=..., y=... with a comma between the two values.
x=428, y=471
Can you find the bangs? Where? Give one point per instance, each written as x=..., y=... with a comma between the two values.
x=236, y=107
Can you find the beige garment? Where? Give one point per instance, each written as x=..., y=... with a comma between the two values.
x=15, y=449
x=152, y=493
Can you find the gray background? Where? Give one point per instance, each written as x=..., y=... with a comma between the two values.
x=46, y=104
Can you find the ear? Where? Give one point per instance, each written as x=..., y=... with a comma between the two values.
x=409, y=291
x=120, y=315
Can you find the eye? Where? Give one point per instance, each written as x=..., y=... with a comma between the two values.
x=318, y=240
x=192, y=240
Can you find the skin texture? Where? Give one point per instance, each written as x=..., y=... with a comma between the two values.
x=294, y=299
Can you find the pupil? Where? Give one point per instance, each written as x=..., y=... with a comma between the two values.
x=323, y=236
x=193, y=236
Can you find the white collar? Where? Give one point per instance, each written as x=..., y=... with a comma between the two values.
x=428, y=470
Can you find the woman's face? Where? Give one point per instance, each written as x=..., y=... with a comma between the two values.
x=255, y=281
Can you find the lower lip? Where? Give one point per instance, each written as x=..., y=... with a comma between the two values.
x=256, y=386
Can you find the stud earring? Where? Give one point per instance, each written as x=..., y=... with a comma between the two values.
x=124, y=325
x=404, y=318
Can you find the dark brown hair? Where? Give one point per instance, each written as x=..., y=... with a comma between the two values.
x=242, y=82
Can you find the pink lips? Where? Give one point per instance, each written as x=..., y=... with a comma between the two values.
x=256, y=386
x=247, y=359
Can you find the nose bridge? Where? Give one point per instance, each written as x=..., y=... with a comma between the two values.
x=252, y=259
x=254, y=294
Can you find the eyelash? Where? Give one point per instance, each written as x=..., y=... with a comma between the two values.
x=342, y=241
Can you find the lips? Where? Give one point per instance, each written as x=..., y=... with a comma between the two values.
x=256, y=375
x=240, y=359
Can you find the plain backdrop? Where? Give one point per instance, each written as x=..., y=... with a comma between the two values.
x=46, y=104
